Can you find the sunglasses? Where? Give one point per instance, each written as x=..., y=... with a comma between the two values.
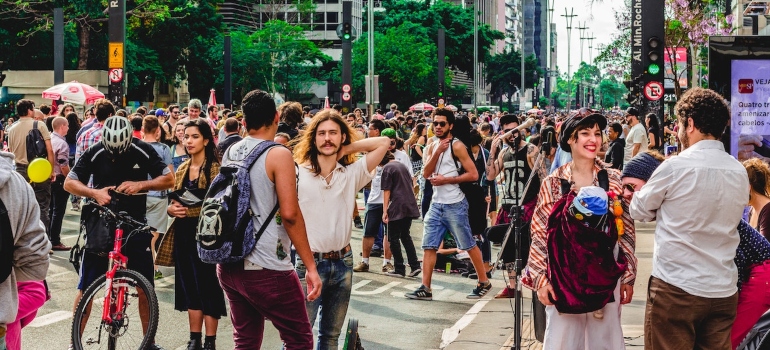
x=441, y=124
x=392, y=142
x=507, y=130
x=630, y=187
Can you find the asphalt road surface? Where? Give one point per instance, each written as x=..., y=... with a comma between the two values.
x=387, y=319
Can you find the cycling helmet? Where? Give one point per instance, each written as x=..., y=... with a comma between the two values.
x=117, y=134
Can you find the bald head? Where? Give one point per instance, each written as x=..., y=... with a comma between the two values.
x=39, y=115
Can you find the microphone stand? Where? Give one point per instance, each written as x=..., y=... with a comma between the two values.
x=515, y=226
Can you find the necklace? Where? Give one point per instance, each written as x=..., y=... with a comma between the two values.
x=326, y=181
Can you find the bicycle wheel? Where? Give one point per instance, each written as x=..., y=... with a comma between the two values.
x=127, y=330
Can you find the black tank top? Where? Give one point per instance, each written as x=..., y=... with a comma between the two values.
x=515, y=181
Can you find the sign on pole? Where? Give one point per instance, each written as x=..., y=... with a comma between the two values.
x=653, y=91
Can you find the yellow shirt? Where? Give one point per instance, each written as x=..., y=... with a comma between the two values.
x=17, y=137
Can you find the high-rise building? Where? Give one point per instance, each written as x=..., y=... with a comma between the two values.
x=744, y=12
x=320, y=25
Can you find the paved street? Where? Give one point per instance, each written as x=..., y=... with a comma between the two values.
x=387, y=319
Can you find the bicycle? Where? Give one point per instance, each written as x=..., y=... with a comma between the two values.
x=118, y=293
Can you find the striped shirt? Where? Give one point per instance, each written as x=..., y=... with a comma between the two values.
x=89, y=138
x=536, y=273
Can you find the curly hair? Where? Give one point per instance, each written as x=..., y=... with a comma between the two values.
x=759, y=175
x=707, y=109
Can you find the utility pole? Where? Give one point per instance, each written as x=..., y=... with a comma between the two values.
x=115, y=58
x=569, y=16
x=347, y=48
x=370, y=63
x=476, y=70
x=591, y=49
x=523, y=71
x=582, y=30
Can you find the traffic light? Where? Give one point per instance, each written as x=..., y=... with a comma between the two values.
x=347, y=31
x=654, y=58
x=440, y=90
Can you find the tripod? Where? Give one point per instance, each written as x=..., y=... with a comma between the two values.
x=515, y=227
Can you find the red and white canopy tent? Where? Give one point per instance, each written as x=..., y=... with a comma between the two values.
x=73, y=92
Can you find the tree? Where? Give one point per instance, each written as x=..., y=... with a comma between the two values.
x=456, y=20
x=504, y=73
x=276, y=58
x=406, y=61
x=88, y=16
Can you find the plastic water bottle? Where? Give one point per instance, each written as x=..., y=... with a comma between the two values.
x=448, y=267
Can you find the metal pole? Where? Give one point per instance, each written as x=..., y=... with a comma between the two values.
x=347, y=48
x=228, y=65
x=523, y=71
x=569, y=17
x=582, y=32
x=370, y=42
x=58, y=46
x=475, y=55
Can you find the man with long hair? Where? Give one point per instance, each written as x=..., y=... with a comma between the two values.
x=329, y=177
x=448, y=208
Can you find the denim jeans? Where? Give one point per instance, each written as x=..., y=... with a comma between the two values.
x=337, y=279
x=258, y=294
x=2, y=343
x=447, y=217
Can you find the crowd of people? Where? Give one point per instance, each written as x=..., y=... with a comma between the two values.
x=572, y=183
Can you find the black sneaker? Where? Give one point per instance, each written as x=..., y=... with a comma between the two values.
x=421, y=293
x=376, y=253
x=154, y=346
x=415, y=272
x=357, y=222
x=480, y=290
x=395, y=273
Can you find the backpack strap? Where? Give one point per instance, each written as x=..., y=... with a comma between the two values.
x=6, y=243
x=604, y=181
x=249, y=162
x=566, y=186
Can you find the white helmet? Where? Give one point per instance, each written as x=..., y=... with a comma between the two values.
x=117, y=134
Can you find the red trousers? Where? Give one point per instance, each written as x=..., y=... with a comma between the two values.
x=753, y=301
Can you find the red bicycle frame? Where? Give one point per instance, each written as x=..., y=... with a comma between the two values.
x=117, y=261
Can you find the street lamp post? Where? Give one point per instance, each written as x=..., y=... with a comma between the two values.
x=569, y=16
x=370, y=59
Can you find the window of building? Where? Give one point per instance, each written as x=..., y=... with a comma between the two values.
x=318, y=17
x=332, y=17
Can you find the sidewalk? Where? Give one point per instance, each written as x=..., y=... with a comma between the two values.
x=489, y=324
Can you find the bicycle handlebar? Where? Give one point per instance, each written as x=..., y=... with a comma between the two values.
x=122, y=218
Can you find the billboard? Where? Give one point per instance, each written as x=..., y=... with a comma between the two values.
x=750, y=105
x=679, y=54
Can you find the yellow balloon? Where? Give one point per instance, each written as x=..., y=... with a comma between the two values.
x=39, y=170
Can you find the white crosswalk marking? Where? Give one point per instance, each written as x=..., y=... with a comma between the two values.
x=47, y=319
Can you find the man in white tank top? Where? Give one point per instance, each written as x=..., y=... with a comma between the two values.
x=448, y=208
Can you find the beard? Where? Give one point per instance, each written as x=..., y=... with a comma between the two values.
x=443, y=135
x=685, y=141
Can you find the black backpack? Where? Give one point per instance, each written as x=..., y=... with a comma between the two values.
x=6, y=244
x=35, y=144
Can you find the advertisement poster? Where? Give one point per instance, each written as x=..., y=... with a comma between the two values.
x=679, y=54
x=750, y=106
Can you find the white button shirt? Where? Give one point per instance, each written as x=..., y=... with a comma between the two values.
x=697, y=199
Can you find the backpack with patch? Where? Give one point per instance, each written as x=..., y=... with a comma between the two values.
x=226, y=231
x=6, y=244
x=35, y=144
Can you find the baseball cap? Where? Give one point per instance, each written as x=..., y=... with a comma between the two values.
x=389, y=132
x=160, y=112
x=632, y=111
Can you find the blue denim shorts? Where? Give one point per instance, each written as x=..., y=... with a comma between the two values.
x=447, y=217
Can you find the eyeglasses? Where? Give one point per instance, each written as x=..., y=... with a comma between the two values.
x=630, y=187
x=507, y=130
x=392, y=142
x=441, y=124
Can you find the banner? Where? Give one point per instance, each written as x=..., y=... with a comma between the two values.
x=680, y=56
x=750, y=107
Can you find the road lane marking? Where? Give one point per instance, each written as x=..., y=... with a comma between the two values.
x=355, y=291
x=51, y=318
x=450, y=334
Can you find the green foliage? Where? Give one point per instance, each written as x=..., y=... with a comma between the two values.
x=405, y=59
x=427, y=19
x=276, y=58
x=504, y=73
x=543, y=102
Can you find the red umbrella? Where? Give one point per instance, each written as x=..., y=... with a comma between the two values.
x=422, y=107
x=212, y=98
x=451, y=107
x=73, y=92
x=326, y=103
